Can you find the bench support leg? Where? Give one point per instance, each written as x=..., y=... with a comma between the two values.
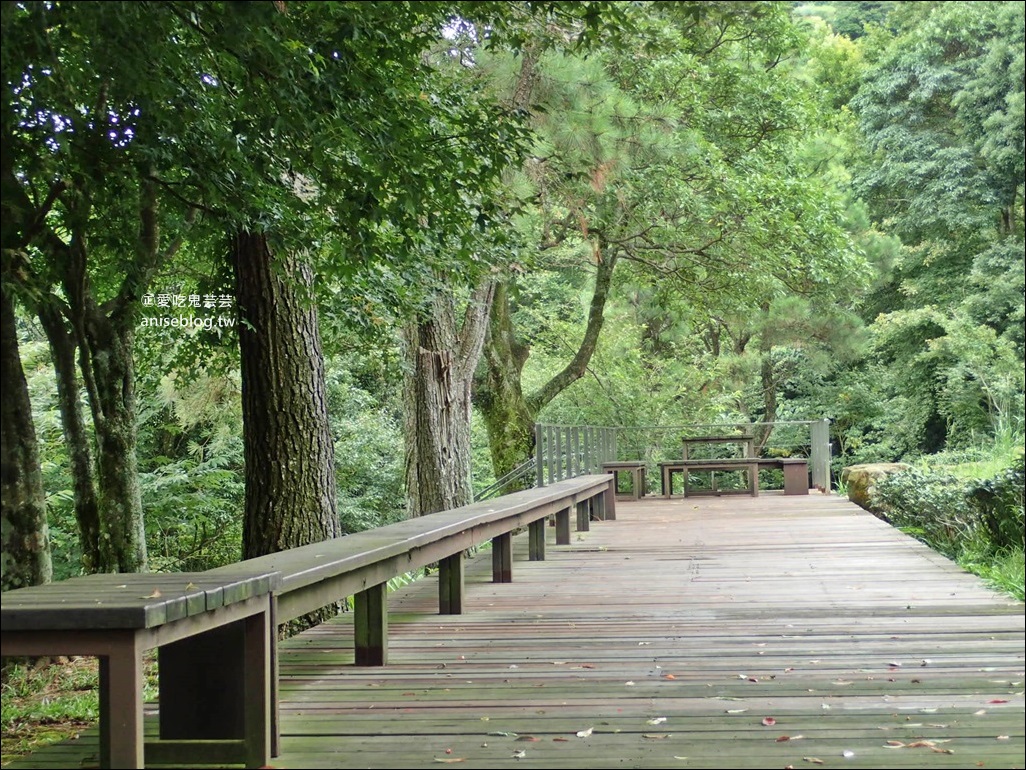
x=584, y=516
x=257, y=686
x=563, y=527
x=608, y=499
x=536, y=540
x=371, y=626
x=121, y=706
x=450, y=585
x=502, y=558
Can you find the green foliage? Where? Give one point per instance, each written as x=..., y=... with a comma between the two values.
x=999, y=501
x=974, y=519
x=931, y=506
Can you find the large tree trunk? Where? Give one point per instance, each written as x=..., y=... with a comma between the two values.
x=290, y=456
x=108, y=366
x=441, y=359
x=509, y=414
x=25, y=554
x=76, y=436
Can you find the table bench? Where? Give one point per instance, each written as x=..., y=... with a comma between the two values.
x=796, y=473
x=117, y=617
x=636, y=469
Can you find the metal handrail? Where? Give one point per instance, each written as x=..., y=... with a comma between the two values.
x=523, y=471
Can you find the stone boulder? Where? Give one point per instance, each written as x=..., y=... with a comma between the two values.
x=860, y=480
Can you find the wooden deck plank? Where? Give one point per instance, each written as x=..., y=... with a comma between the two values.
x=713, y=614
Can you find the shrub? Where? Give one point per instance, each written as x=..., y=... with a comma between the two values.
x=930, y=506
x=999, y=504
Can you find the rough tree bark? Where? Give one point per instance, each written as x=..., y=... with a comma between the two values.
x=290, y=456
x=25, y=554
x=442, y=355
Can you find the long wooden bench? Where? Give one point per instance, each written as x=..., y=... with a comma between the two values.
x=361, y=564
x=216, y=631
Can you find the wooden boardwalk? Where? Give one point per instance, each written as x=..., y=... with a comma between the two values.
x=770, y=632
x=667, y=638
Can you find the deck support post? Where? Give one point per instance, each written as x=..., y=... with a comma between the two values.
x=608, y=500
x=583, y=515
x=450, y=585
x=563, y=527
x=502, y=558
x=536, y=538
x=371, y=625
x=121, y=726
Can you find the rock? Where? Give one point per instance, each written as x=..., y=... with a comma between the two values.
x=860, y=480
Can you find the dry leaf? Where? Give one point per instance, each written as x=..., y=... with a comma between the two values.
x=894, y=745
x=585, y=733
x=979, y=713
x=519, y=754
x=783, y=738
x=847, y=754
x=736, y=711
x=628, y=684
x=938, y=750
x=655, y=737
x=157, y=594
x=1003, y=738
x=769, y=722
x=528, y=739
x=449, y=760
x=669, y=676
x=997, y=700
x=190, y=586
x=813, y=760
x=656, y=721
x=920, y=745
x=561, y=740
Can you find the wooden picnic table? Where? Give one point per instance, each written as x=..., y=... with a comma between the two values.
x=636, y=469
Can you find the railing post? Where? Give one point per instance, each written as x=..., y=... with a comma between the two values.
x=539, y=456
x=589, y=461
x=559, y=454
x=574, y=467
x=550, y=449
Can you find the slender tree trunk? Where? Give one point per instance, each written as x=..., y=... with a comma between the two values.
x=441, y=358
x=499, y=395
x=76, y=436
x=290, y=455
x=25, y=554
x=510, y=414
x=108, y=366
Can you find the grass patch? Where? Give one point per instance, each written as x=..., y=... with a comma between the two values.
x=1005, y=571
x=51, y=701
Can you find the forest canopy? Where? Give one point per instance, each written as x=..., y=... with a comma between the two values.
x=374, y=243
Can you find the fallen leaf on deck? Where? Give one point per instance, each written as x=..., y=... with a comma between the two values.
x=939, y=750
x=501, y=734
x=157, y=594
x=682, y=759
x=894, y=745
x=561, y=740
x=190, y=586
x=449, y=760
x=997, y=700
x=628, y=684
x=769, y=722
x=656, y=737
x=736, y=711
x=920, y=745
x=656, y=721
x=528, y=739
x=669, y=676
x=519, y=754
x=1003, y=738
x=585, y=733
x=813, y=760
x=847, y=754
